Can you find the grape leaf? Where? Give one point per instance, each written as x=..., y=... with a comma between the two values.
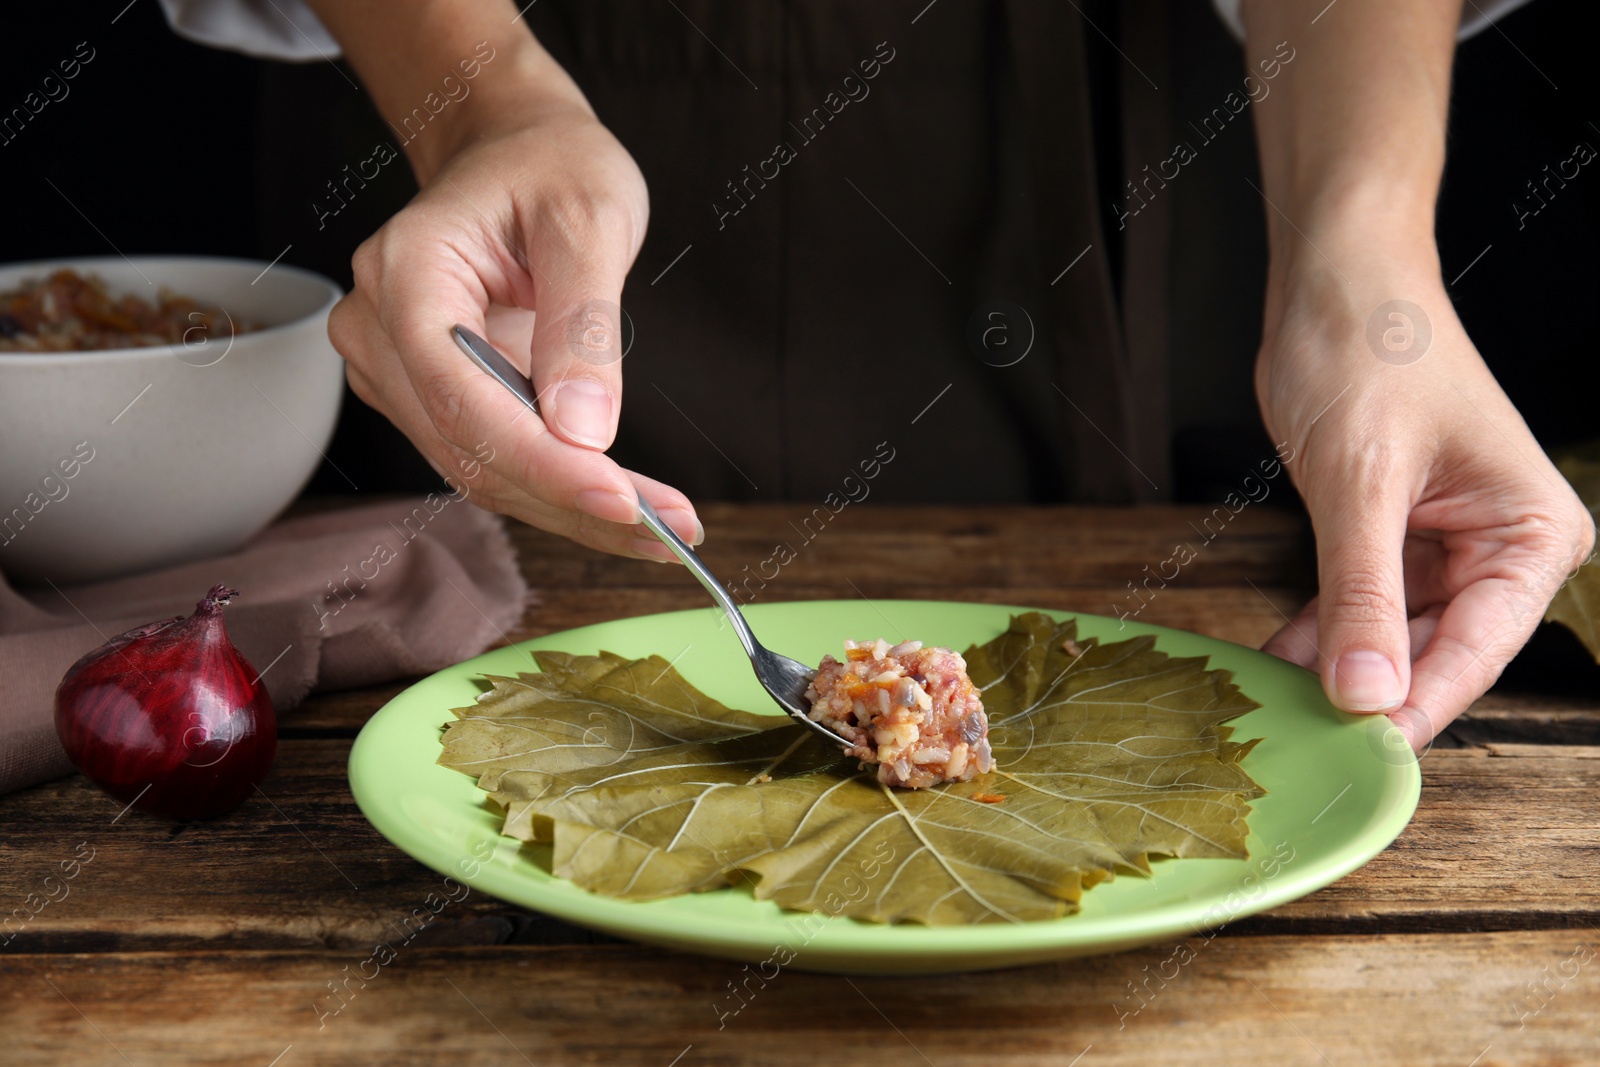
x=1577, y=603
x=1105, y=756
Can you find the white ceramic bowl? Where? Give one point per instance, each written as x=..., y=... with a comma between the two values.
x=174, y=453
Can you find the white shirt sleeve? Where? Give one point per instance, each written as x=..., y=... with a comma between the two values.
x=266, y=29
x=1473, y=21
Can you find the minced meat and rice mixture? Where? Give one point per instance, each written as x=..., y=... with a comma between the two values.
x=911, y=710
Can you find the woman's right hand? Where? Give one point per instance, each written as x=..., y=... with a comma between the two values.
x=525, y=227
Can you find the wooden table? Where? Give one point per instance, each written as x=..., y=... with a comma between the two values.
x=1469, y=943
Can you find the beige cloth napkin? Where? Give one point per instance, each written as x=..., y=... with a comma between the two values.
x=327, y=601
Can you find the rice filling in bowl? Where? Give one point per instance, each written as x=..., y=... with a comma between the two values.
x=911, y=710
x=72, y=312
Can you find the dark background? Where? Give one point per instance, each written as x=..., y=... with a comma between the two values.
x=172, y=147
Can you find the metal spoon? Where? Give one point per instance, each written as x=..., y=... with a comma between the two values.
x=784, y=679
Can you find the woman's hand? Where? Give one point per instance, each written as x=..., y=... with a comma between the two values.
x=529, y=218
x=1442, y=529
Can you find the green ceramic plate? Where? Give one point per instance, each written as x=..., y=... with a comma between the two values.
x=1340, y=788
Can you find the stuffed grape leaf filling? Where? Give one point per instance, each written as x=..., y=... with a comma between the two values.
x=1105, y=755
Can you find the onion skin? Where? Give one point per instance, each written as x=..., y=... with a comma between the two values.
x=169, y=716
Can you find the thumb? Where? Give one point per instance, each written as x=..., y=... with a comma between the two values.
x=576, y=359
x=1361, y=618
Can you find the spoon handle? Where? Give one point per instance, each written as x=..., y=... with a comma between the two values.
x=487, y=357
x=686, y=554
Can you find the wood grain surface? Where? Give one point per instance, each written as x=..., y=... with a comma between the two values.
x=1413, y=999
x=1469, y=943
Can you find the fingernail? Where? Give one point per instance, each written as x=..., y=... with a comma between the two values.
x=604, y=504
x=583, y=411
x=681, y=518
x=1366, y=681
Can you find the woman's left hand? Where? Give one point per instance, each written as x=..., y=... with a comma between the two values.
x=1442, y=529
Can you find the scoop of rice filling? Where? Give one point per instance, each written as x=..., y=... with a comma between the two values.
x=911, y=710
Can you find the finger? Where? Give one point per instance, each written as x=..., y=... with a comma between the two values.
x=673, y=507
x=355, y=323
x=510, y=330
x=1427, y=576
x=376, y=376
x=498, y=495
x=393, y=395
x=488, y=489
x=1296, y=641
x=1422, y=628
x=1475, y=638
x=1360, y=524
x=576, y=356
x=421, y=300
